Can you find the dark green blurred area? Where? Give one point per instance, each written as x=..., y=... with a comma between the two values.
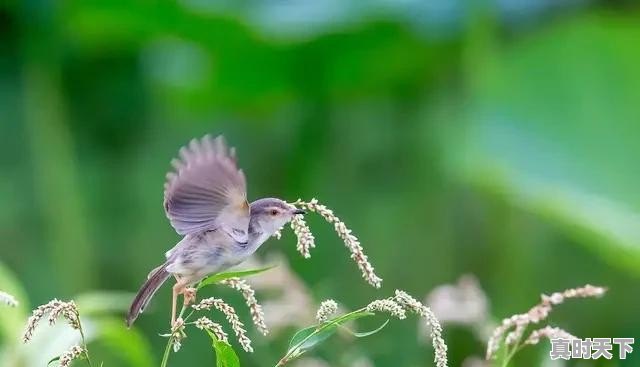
x=500, y=140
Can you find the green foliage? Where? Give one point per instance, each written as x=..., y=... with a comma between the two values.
x=127, y=345
x=217, y=278
x=225, y=355
x=465, y=142
x=560, y=144
x=307, y=338
x=55, y=359
x=364, y=334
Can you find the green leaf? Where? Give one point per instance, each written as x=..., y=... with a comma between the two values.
x=309, y=337
x=351, y=316
x=216, y=278
x=56, y=359
x=366, y=333
x=225, y=355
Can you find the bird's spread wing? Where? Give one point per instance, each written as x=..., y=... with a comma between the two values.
x=207, y=190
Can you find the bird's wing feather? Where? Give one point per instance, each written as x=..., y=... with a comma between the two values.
x=207, y=190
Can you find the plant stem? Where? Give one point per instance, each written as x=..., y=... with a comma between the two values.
x=167, y=351
x=84, y=341
x=511, y=353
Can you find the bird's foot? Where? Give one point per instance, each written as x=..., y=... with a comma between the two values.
x=189, y=295
x=177, y=325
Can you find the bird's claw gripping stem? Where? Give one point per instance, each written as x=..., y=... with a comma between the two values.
x=189, y=295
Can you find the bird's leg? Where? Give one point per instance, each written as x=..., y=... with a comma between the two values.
x=178, y=288
x=189, y=295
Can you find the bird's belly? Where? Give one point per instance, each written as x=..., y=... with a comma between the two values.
x=208, y=256
x=199, y=261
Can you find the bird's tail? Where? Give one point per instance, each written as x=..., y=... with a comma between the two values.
x=146, y=292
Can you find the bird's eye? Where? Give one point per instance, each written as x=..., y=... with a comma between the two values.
x=274, y=212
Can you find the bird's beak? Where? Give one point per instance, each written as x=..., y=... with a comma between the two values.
x=299, y=211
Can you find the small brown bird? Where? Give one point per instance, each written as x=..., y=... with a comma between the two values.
x=205, y=200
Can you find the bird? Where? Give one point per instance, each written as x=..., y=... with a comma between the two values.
x=205, y=200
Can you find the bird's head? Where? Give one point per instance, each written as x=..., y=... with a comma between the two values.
x=271, y=214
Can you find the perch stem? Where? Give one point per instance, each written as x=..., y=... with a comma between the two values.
x=84, y=343
x=167, y=350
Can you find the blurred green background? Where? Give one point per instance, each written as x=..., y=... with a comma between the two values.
x=498, y=138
